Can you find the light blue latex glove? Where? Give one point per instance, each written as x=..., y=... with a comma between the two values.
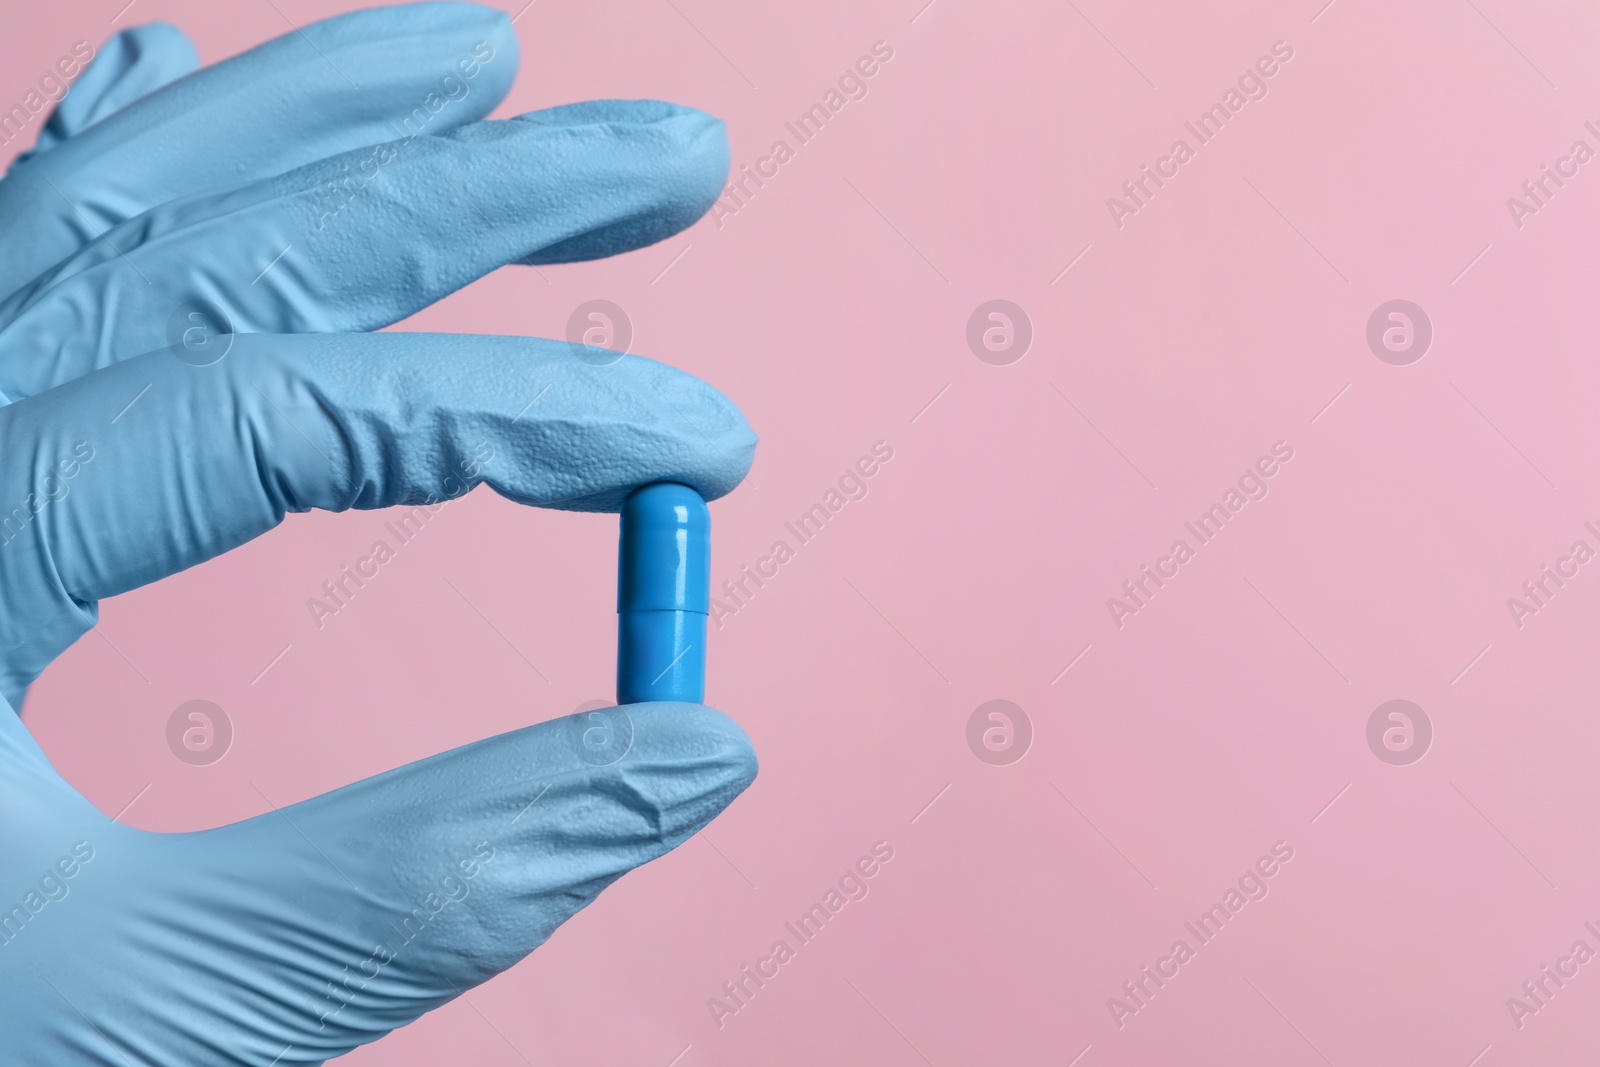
x=298, y=935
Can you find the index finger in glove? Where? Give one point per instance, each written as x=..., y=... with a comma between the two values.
x=150, y=466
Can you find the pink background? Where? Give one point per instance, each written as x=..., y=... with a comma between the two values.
x=1223, y=317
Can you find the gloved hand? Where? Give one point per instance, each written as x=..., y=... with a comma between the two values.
x=182, y=279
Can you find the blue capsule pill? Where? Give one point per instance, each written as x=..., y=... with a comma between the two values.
x=663, y=595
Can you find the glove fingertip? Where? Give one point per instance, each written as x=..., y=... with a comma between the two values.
x=128, y=66
x=679, y=154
